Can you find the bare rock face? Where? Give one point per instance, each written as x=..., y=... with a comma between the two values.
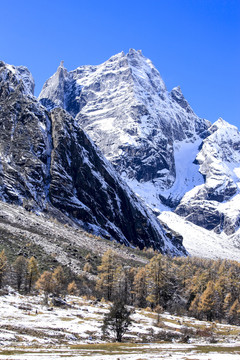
x=25, y=147
x=84, y=185
x=47, y=162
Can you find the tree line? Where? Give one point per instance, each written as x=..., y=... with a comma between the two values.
x=203, y=288
x=24, y=275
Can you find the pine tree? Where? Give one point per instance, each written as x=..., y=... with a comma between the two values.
x=107, y=271
x=3, y=266
x=198, y=283
x=20, y=269
x=45, y=284
x=221, y=291
x=228, y=301
x=87, y=267
x=156, y=280
x=207, y=301
x=140, y=288
x=72, y=288
x=234, y=313
x=32, y=272
x=59, y=280
x=117, y=321
x=123, y=283
x=194, y=307
x=159, y=310
x=233, y=279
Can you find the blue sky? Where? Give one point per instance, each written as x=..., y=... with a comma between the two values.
x=194, y=44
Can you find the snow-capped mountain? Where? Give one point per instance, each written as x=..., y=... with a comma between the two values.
x=48, y=164
x=125, y=108
x=170, y=157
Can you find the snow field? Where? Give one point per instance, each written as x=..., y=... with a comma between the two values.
x=199, y=241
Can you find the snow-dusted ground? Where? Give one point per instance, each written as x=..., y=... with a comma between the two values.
x=29, y=330
x=201, y=242
x=147, y=352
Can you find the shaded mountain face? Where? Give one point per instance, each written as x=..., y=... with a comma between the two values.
x=170, y=157
x=125, y=108
x=48, y=164
x=25, y=141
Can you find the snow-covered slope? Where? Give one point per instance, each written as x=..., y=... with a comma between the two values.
x=187, y=176
x=215, y=204
x=201, y=242
x=48, y=163
x=209, y=218
x=142, y=129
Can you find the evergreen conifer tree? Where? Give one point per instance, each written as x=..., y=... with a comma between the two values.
x=45, y=284
x=207, y=301
x=59, y=280
x=32, y=272
x=20, y=269
x=107, y=271
x=117, y=320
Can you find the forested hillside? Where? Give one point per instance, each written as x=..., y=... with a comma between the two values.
x=205, y=289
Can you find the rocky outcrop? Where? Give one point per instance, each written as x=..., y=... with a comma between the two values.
x=48, y=164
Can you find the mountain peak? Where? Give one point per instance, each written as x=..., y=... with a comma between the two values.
x=220, y=124
x=61, y=70
x=177, y=89
x=124, y=106
x=20, y=74
x=134, y=52
x=54, y=88
x=177, y=95
x=137, y=58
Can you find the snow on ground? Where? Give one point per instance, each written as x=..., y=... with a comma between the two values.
x=30, y=330
x=199, y=241
x=140, y=353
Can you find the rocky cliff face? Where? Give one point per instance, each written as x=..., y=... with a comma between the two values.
x=48, y=164
x=125, y=108
x=25, y=141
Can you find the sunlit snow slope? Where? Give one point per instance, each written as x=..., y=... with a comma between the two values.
x=201, y=242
